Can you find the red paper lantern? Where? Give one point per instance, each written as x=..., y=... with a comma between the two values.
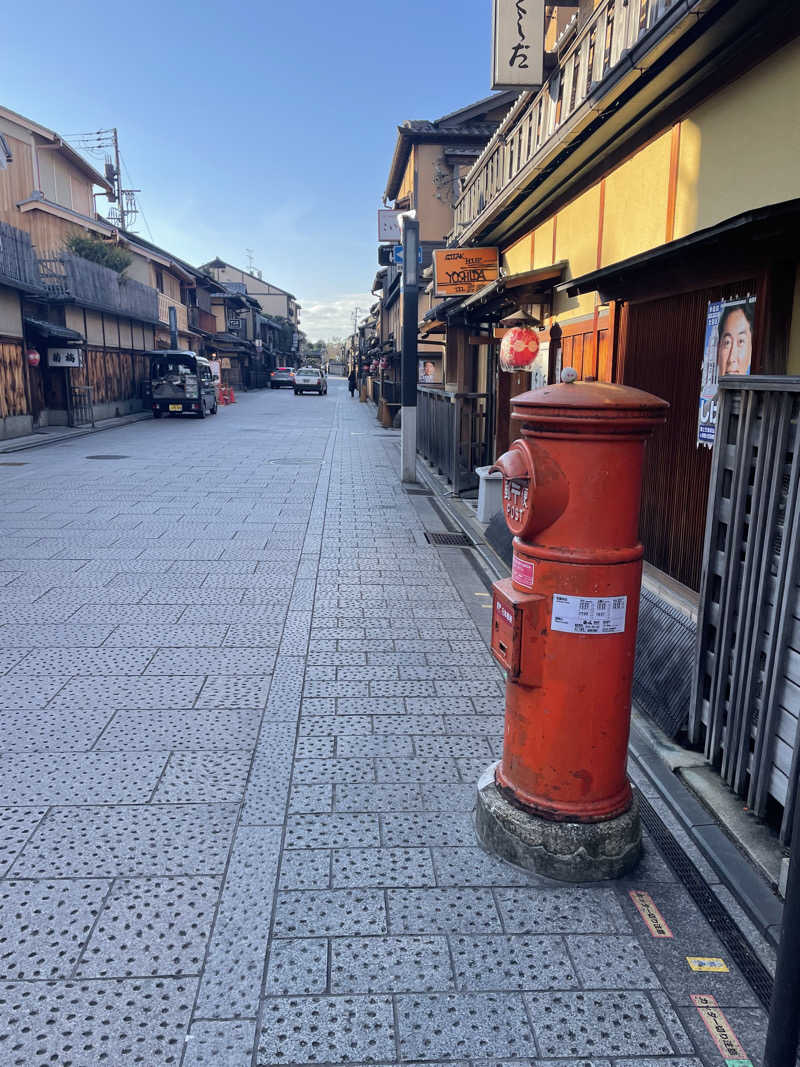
x=33, y=357
x=519, y=348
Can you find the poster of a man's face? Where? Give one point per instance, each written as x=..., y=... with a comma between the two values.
x=728, y=350
x=430, y=371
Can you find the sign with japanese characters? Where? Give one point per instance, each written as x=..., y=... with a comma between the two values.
x=64, y=357
x=589, y=614
x=654, y=920
x=460, y=271
x=389, y=225
x=517, y=44
x=720, y=1029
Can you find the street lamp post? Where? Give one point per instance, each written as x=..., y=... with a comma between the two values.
x=409, y=288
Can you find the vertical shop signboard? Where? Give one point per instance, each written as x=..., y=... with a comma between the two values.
x=728, y=349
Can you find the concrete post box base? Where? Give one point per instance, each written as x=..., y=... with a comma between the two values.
x=567, y=851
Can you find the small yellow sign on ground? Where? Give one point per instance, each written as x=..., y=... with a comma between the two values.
x=707, y=963
x=646, y=906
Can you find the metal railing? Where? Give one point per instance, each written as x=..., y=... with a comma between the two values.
x=17, y=259
x=535, y=118
x=452, y=434
x=69, y=277
x=165, y=303
x=81, y=407
x=746, y=689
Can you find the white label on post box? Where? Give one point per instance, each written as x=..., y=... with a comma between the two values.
x=589, y=615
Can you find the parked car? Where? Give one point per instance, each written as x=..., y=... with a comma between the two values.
x=181, y=382
x=310, y=380
x=281, y=376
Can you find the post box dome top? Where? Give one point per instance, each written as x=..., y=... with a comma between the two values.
x=591, y=403
x=598, y=396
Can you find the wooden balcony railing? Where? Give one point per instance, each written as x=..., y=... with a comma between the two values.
x=536, y=118
x=202, y=320
x=164, y=304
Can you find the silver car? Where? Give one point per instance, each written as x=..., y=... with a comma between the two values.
x=310, y=380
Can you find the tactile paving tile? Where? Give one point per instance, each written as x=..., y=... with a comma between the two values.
x=203, y=776
x=429, y=828
x=16, y=826
x=376, y=797
x=609, y=962
x=103, y=661
x=434, y=911
x=471, y=866
x=356, y=867
x=561, y=911
x=411, y=689
x=115, y=1022
x=234, y=965
x=315, y=747
x=152, y=926
x=589, y=1023
x=31, y=731
x=387, y=965
x=466, y=745
x=234, y=691
x=308, y=771
x=11, y=657
x=106, y=841
x=448, y=797
x=416, y=769
x=377, y=744
x=166, y=636
x=297, y=966
x=327, y=1030
x=455, y=706
x=203, y=728
x=331, y=831
x=79, y=778
x=120, y=692
x=28, y=690
x=44, y=926
x=463, y=1024
x=367, y=706
x=330, y=913
x=312, y=798
x=305, y=869
x=220, y=1044
x=225, y=661
x=514, y=962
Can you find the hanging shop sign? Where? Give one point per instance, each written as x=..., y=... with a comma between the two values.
x=519, y=349
x=389, y=225
x=429, y=370
x=517, y=44
x=225, y=363
x=461, y=271
x=728, y=350
x=33, y=357
x=64, y=357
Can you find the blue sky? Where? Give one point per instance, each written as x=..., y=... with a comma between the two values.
x=266, y=126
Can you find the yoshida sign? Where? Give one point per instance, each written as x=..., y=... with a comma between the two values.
x=460, y=271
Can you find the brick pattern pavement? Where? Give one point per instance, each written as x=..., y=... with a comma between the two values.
x=243, y=712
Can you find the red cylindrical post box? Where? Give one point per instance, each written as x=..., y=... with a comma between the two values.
x=564, y=625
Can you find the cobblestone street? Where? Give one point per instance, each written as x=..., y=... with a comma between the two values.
x=244, y=707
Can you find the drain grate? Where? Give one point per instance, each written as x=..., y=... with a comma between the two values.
x=455, y=540
x=754, y=971
x=8, y=463
x=108, y=456
x=419, y=492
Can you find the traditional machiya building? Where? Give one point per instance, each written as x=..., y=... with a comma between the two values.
x=645, y=205
x=88, y=326
x=429, y=161
x=654, y=174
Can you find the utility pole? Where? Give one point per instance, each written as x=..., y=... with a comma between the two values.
x=118, y=172
x=409, y=292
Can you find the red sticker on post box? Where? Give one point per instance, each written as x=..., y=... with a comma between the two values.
x=589, y=614
x=522, y=572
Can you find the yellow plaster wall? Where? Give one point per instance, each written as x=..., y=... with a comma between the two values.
x=740, y=149
x=543, y=245
x=577, y=227
x=407, y=184
x=516, y=258
x=434, y=208
x=635, y=217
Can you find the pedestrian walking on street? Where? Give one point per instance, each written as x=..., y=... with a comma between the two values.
x=351, y=382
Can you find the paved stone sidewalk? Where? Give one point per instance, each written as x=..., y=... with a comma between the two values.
x=242, y=712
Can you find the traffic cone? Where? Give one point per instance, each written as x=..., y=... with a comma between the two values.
x=231, y=397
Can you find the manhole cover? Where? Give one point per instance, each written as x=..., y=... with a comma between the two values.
x=8, y=463
x=456, y=540
x=108, y=457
